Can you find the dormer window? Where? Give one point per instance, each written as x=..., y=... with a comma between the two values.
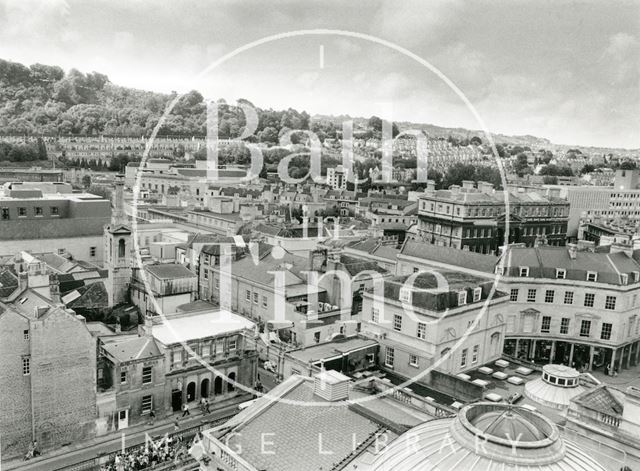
x=524, y=271
x=462, y=298
x=477, y=294
x=561, y=273
x=405, y=294
x=592, y=276
x=500, y=271
x=636, y=276
x=624, y=278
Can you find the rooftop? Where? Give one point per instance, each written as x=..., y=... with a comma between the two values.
x=131, y=349
x=331, y=350
x=183, y=328
x=167, y=271
x=450, y=256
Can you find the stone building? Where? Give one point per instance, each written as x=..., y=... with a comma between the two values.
x=47, y=367
x=474, y=219
x=572, y=307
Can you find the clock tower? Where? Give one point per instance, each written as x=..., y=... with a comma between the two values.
x=117, y=248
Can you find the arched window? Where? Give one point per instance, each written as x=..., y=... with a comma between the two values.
x=121, y=246
x=217, y=385
x=230, y=386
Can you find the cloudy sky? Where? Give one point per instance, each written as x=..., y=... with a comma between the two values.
x=564, y=70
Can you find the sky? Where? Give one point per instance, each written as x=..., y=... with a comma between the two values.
x=568, y=71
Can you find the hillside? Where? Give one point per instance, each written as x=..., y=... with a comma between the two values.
x=44, y=100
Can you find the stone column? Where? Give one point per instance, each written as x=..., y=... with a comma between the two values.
x=571, y=355
x=613, y=361
x=532, y=353
x=517, y=347
x=628, y=356
x=553, y=351
x=592, y=351
x=637, y=352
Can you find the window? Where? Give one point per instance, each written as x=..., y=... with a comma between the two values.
x=5, y=213
x=248, y=295
x=585, y=328
x=147, y=404
x=592, y=276
x=531, y=295
x=624, y=278
x=514, y=294
x=405, y=295
x=477, y=294
x=389, y=357
x=206, y=350
x=232, y=344
x=564, y=325
x=568, y=297
x=316, y=337
x=549, y=295
x=26, y=366
x=206, y=273
x=474, y=355
x=422, y=330
x=413, y=360
x=546, y=324
x=463, y=358
x=147, y=374
x=92, y=251
x=38, y=211
x=22, y=212
x=256, y=298
x=397, y=322
x=123, y=377
x=25, y=334
x=524, y=271
x=605, y=334
x=177, y=357
x=462, y=298
x=264, y=301
x=589, y=298
x=375, y=315
x=610, y=302
x=561, y=273
x=217, y=282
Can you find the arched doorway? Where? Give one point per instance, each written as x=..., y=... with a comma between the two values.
x=217, y=385
x=191, y=391
x=230, y=386
x=204, y=388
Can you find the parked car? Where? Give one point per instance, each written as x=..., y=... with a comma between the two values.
x=514, y=398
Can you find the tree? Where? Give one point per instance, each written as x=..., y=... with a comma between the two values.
x=628, y=165
x=476, y=141
x=269, y=135
x=588, y=168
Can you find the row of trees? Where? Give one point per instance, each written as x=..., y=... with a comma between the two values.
x=30, y=152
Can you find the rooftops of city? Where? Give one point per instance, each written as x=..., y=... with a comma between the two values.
x=332, y=350
x=199, y=325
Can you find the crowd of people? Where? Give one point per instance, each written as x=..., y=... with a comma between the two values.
x=169, y=449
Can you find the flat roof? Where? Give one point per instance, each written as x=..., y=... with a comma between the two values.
x=326, y=351
x=199, y=325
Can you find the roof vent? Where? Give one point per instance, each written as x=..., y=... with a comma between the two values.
x=331, y=385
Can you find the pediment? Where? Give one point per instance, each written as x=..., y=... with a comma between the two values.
x=119, y=229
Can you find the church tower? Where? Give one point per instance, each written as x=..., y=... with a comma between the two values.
x=117, y=248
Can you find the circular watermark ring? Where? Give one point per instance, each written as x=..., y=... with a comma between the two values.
x=355, y=35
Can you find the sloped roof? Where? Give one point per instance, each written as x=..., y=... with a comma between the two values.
x=8, y=282
x=90, y=296
x=449, y=255
x=601, y=399
x=543, y=261
x=357, y=265
x=132, y=349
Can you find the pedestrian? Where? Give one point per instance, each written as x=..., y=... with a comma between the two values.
x=185, y=410
x=152, y=417
x=207, y=406
x=176, y=425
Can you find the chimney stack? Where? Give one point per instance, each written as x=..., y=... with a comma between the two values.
x=119, y=216
x=331, y=386
x=431, y=186
x=485, y=187
x=54, y=289
x=468, y=184
x=573, y=251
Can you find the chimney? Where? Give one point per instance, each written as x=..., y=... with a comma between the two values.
x=54, y=289
x=118, y=328
x=455, y=189
x=540, y=241
x=468, y=184
x=23, y=281
x=573, y=251
x=431, y=186
x=331, y=386
x=485, y=187
x=236, y=203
